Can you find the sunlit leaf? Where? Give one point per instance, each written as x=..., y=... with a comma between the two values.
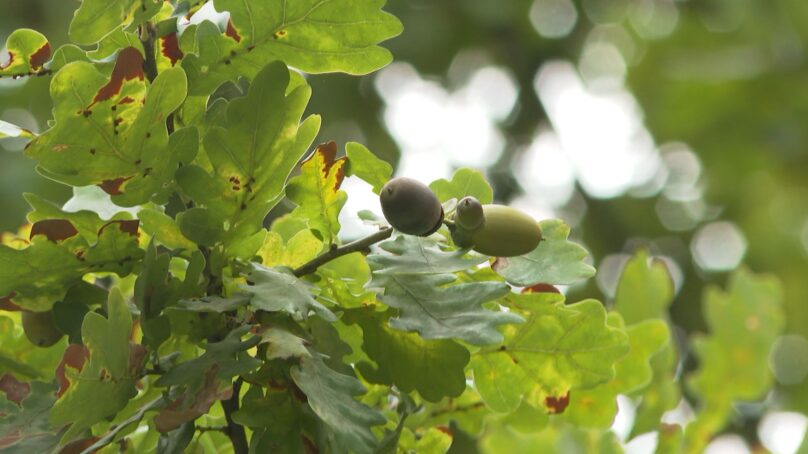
x=316, y=191
x=27, y=52
x=252, y=150
x=278, y=290
x=365, y=165
x=128, y=154
x=313, y=36
x=559, y=349
x=464, y=182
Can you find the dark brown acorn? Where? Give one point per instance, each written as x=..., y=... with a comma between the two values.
x=411, y=207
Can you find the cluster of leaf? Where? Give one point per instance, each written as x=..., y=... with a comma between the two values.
x=188, y=317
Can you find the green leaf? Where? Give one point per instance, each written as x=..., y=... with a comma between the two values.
x=164, y=229
x=201, y=226
x=252, y=150
x=313, y=36
x=558, y=349
x=365, y=165
x=86, y=222
x=128, y=153
x=316, y=191
x=301, y=248
x=344, y=279
x=106, y=382
x=415, y=255
x=214, y=303
x=276, y=290
x=433, y=368
x=465, y=182
x=645, y=289
x=661, y=395
x=95, y=19
x=744, y=323
x=8, y=130
x=330, y=396
x=25, y=428
x=39, y=275
x=28, y=51
x=555, y=261
x=597, y=407
x=436, y=310
x=227, y=359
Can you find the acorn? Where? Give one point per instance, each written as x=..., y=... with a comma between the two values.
x=411, y=207
x=40, y=328
x=495, y=230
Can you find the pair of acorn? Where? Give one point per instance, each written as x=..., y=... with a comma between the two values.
x=497, y=230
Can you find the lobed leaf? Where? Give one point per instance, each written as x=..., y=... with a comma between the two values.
x=313, y=36
x=129, y=153
x=434, y=368
x=316, y=191
x=365, y=165
x=276, y=290
x=555, y=261
x=252, y=146
x=106, y=382
x=559, y=349
x=464, y=182
x=27, y=52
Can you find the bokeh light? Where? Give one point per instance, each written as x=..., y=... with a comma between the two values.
x=718, y=246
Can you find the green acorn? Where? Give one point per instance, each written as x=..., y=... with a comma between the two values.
x=411, y=207
x=495, y=230
x=40, y=328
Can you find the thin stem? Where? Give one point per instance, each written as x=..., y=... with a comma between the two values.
x=147, y=37
x=234, y=430
x=354, y=246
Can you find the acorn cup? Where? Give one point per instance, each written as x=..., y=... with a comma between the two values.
x=40, y=328
x=495, y=230
x=411, y=207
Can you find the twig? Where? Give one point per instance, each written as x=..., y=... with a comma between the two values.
x=354, y=246
x=234, y=430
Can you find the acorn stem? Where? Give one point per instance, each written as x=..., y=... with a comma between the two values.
x=354, y=246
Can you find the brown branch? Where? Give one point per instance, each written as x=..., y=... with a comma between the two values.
x=354, y=246
x=234, y=430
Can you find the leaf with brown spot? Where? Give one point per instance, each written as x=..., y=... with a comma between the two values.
x=14, y=389
x=105, y=383
x=111, y=131
x=28, y=50
x=540, y=288
x=313, y=36
x=24, y=426
x=41, y=273
x=53, y=229
x=316, y=191
x=170, y=48
x=189, y=407
x=556, y=404
x=128, y=226
x=75, y=356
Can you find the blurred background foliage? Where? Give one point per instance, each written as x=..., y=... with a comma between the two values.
x=672, y=124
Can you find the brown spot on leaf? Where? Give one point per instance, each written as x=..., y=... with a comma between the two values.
x=170, y=48
x=445, y=430
x=60, y=147
x=541, y=288
x=75, y=356
x=113, y=187
x=308, y=445
x=14, y=389
x=40, y=57
x=125, y=100
x=127, y=226
x=280, y=34
x=128, y=66
x=556, y=405
x=53, y=229
x=232, y=32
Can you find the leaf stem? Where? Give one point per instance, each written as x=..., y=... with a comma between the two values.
x=234, y=430
x=354, y=246
x=147, y=36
